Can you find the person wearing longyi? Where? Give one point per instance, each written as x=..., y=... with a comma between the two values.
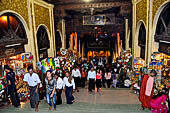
x=92, y=79
x=33, y=81
x=59, y=88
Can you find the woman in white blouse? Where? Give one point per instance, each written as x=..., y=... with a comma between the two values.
x=69, y=86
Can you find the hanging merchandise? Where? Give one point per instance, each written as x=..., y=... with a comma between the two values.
x=138, y=65
x=161, y=63
x=19, y=64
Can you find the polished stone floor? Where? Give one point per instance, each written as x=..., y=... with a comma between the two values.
x=109, y=101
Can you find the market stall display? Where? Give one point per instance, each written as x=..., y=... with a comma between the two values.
x=138, y=65
x=19, y=64
x=161, y=63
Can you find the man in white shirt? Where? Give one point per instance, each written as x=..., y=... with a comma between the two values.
x=92, y=78
x=59, y=83
x=76, y=75
x=33, y=81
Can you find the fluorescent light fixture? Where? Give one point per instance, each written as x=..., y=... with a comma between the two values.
x=164, y=41
x=43, y=49
x=13, y=45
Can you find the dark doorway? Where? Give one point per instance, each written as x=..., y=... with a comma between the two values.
x=43, y=43
x=142, y=40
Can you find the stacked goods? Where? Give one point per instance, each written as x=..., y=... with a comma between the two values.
x=126, y=59
x=161, y=63
x=22, y=89
x=138, y=64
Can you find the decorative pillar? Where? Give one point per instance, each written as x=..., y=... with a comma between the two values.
x=83, y=49
x=79, y=49
x=126, y=35
x=63, y=34
x=133, y=32
x=149, y=52
x=71, y=41
x=118, y=43
x=75, y=42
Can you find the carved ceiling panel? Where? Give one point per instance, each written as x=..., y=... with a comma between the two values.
x=57, y=2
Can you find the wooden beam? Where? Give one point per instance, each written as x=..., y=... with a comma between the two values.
x=94, y=5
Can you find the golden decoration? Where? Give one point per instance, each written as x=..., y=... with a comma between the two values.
x=42, y=16
x=19, y=6
x=59, y=26
x=156, y=6
x=141, y=11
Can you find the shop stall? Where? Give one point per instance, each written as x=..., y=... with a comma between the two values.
x=18, y=64
x=161, y=63
x=138, y=65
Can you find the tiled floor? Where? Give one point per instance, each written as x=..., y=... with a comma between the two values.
x=109, y=101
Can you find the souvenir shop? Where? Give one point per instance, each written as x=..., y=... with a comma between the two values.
x=13, y=38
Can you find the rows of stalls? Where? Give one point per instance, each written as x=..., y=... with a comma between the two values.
x=18, y=64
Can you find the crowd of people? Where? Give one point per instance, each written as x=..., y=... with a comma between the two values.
x=94, y=74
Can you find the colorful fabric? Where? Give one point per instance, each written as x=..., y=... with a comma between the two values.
x=149, y=86
x=145, y=100
x=157, y=106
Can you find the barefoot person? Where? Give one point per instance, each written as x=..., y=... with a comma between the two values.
x=50, y=89
x=59, y=88
x=69, y=86
x=98, y=80
x=77, y=77
x=146, y=90
x=33, y=81
x=92, y=79
x=10, y=78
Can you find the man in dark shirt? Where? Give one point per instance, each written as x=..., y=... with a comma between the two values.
x=10, y=78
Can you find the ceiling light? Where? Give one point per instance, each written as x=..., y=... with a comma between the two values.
x=87, y=0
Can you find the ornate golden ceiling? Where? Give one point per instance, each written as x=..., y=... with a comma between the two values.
x=57, y=2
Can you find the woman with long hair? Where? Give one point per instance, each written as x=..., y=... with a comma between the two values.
x=69, y=86
x=108, y=76
x=98, y=80
x=83, y=77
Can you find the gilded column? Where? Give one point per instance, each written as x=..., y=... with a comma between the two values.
x=150, y=33
x=71, y=41
x=126, y=35
x=75, y=42
x=133, y=32
x=64, y=34
x=147, y=46
x=83, y=49
x=79, y=49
